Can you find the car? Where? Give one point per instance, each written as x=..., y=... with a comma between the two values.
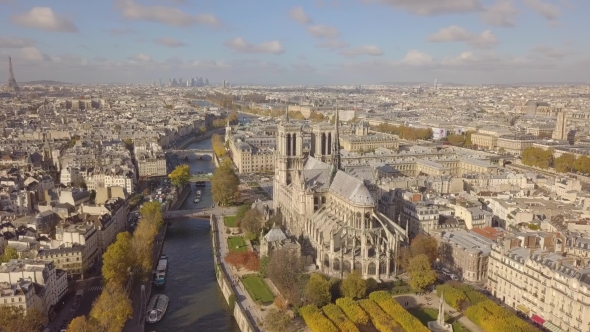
x=454, y=277
x=446, y=272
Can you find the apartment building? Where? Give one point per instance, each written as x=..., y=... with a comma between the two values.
x=151, y=164
x=51, y=282
x=109, y=219
x=515, y=144
x=531, y=273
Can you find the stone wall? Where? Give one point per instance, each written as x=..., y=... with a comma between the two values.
x=239, y=313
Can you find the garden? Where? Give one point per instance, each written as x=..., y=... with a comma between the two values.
x=230, y=221
x=257, y=288
x=236, y=243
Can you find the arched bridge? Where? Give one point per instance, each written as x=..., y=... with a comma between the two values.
x=192, y=152
x=170, y=216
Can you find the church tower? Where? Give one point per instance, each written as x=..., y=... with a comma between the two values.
x=289, y=151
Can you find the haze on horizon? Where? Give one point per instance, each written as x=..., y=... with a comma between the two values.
x=308, y=42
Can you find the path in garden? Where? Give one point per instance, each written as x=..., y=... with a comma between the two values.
x=246, y=302
x=416, y=301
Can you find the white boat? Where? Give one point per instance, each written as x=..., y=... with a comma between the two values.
x=161, y=270
x=197, y=200
x=198, y=192
x=156, y=308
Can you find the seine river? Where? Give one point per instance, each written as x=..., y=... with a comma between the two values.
x=196, y=303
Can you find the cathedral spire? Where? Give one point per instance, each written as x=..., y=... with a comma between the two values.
x=287, y=115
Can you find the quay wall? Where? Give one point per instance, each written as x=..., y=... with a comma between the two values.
x=222, y=279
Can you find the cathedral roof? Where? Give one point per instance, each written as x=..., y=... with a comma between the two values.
x=275, y=234
x=313, y=163
x=351, y=188
x=320, y=178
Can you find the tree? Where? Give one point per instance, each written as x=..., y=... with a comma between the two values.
x=218, y=145
x=81, y=324
x=405, y=254
x=112, y=308
x=15, y=319
x=180, y=176
x=456, y=140
x=427, y=245
x=129, y=144
x=537, y=157
x=252, y=223
x=421, y=272
x=276, y=321
x=354, y=286
x=317, y=291
x=9, y=253
x=582, y=164
x=235, y=259
x=118, y=259
x=233, y=117
x=263, y=266
x=241, y=212
x=284, y=269
x=564, y=163
x=224, y=184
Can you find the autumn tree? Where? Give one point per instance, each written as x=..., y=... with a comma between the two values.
x=81, y=324
x=232, y=118
x=421, y=273
x=564, y=163
x=353, y=286
x=241, y=212
x=218, y=145
x=180, y=176
x=317, y=291
x=252, y=223
x=284, y=269
x=277, y=321
x=129, y=144
x=456, y=140
x=582, y=164
x=424, y=244
x=9, y=253
x=537, y=157
x=247, y=259
x=16, y=319
x=224, y=184
x=235, y=259
x=112, y=308
x=118, y=260
x=144, y=236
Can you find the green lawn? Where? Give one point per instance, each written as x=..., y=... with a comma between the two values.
x=236, y=243
x=257, y=288
x=253, y=185
x=230, y=221
x=426, y=315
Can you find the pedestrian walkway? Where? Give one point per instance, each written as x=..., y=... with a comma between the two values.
x=431, y=300
x=94, y=289
x=242, y=296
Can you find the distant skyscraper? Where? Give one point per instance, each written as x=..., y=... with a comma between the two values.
x=560, y=131
x=435, y=84
x=12, y=86
x=160, y=80
x=207, y=82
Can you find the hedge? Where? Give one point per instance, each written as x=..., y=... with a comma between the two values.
x=454, y=297
x=493, y=318
x=472, y=294
x=407, y=321
x=315, y=320
x=382, y=321
x=339, y=318
x=353, y=311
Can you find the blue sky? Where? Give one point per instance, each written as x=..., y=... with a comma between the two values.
x=297, y=42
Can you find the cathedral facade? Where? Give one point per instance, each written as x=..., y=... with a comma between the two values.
x=329, y=209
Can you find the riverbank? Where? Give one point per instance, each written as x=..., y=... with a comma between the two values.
x=233, y=294
x=203, y=137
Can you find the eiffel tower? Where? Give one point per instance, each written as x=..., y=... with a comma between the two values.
x=12, y=86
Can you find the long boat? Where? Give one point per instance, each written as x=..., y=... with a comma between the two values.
x=156, y=308
x=161, y=270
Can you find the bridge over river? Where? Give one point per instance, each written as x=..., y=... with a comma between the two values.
x=199, y=153
x=203, y=213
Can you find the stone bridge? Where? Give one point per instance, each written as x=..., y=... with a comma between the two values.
x=192, y=152
x=171, y=216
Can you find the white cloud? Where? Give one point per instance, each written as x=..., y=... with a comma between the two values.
x=238, y=44
x=549, y=11
x=162, y=14
x=45, y=19
x=332, y=44
x=298, y=15
x=118, y=32
x=371, y=50
x=33, y=54
x=454, y=33
x=502, y=13
x=169, y=42
x=10, y=42
x=433, y=7
x=141, y=58
x=417, y=59
x=304, y=68
x=323, y=31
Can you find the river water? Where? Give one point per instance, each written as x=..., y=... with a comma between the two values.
x=196, y=303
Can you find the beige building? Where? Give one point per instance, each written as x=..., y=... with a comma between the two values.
x=71, y=259
x=530, y=273
x=466, y=253
x=250, y=159
x=151, y=164
x=515, y=144
x=362, y=140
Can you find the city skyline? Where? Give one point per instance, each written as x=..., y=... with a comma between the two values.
x=311, y=42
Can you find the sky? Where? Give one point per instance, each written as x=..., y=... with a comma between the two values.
x=305, y=42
